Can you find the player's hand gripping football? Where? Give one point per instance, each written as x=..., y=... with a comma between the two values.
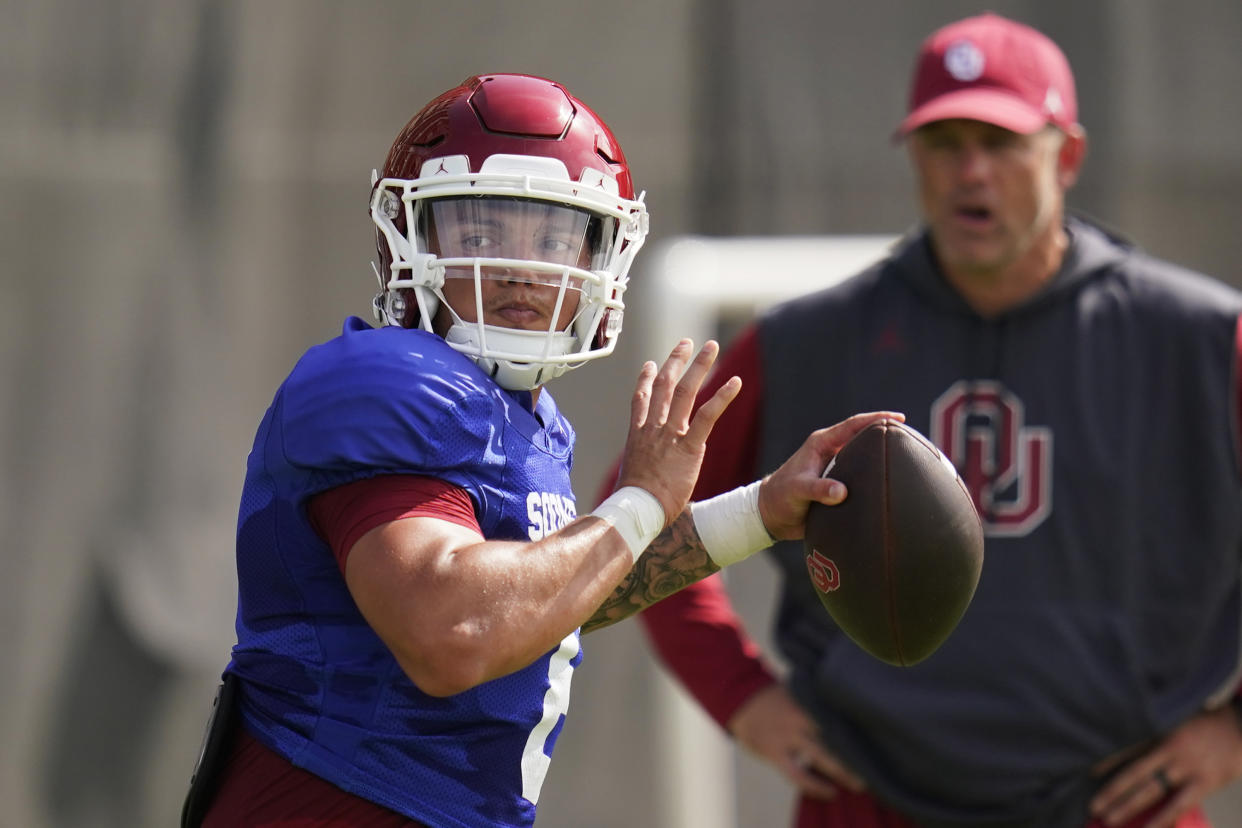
x=665, y=446
x=786, y=495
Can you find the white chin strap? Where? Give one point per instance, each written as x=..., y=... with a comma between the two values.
x=517, y=360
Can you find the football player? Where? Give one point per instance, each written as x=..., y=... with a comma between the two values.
x=413, y=572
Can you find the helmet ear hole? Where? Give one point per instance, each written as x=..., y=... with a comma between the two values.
x=405, y=308
x=397, y=307
x=390, y=207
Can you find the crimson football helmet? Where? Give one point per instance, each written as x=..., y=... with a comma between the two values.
x=512, y=152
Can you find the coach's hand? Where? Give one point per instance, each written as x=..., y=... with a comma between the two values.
x=666, y=444
x=1197, y=759
x=771, y=725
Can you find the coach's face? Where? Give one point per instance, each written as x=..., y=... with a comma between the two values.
x=992, y=197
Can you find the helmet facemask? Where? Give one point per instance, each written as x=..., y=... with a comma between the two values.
x=530, y=244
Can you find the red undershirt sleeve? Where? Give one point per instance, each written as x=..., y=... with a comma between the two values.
x=696, y=632
x=343, y=515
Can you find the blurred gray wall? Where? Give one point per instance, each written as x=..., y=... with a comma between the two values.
x=183, y=198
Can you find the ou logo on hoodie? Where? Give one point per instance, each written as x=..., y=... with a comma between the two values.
x=1006, y=464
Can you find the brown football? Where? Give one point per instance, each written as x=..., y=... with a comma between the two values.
x=897, y=562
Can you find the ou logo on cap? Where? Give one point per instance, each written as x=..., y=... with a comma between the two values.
x=964, y=61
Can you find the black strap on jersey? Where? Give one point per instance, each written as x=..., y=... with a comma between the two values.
x=217, y=739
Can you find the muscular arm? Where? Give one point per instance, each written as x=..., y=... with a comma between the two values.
x=457, y=610
x=675, y=559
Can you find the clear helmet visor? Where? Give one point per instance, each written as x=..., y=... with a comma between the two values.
x=518, y=242
x=514, y=228
x=519, y=274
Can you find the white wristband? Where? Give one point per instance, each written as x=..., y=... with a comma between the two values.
x=636, y=514
x=730, y=526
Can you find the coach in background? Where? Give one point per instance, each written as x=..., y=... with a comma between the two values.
x=1089, y=396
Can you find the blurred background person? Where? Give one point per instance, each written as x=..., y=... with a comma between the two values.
x=1092, y=680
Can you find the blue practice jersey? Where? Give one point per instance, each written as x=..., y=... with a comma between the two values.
x=318, y=686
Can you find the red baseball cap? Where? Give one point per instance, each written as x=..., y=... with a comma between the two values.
x=992, y=69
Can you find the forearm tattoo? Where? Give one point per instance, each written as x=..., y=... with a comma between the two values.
x=675, y=559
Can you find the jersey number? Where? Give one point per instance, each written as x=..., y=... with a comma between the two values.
x=535, y=760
